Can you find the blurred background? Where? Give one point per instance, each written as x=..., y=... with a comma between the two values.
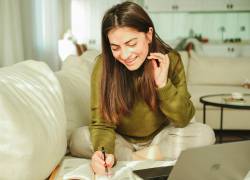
x=50, y=30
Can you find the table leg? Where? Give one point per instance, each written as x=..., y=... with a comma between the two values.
x=221, y=124
x=204, y=113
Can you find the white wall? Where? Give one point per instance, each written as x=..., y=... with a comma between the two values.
x=86, y=20
x=168, y=25
x=173, y=25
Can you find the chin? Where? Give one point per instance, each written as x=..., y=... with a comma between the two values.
x=133, y=68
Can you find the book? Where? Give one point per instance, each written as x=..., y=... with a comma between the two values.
x=78, y=168
x=231, y=100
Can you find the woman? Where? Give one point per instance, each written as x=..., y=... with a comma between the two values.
x=141, y=108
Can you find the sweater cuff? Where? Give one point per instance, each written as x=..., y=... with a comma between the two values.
x=167, y=91
x=107, y=149
x=108, y=146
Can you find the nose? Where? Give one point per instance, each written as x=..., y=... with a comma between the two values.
x=125, y=53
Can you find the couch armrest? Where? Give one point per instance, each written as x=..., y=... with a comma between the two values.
x=33, y=122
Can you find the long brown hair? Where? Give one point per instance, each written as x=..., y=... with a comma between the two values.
x=119, y=86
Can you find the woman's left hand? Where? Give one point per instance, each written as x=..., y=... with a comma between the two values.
x=160, y=68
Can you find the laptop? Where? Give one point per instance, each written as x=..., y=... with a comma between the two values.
x=228, y=161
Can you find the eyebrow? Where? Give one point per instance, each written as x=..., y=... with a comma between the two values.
x=112, y=44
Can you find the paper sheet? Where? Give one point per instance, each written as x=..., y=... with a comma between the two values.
x=77, y=168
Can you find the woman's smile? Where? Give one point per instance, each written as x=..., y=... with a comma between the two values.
x=130, y=62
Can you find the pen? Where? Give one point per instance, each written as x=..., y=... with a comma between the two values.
x=104, y=156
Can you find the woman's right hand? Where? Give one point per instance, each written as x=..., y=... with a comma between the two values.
x=98, y=163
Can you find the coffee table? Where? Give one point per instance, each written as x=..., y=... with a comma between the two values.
x=221, y=100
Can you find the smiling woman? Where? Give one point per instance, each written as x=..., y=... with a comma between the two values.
x=140, y=105
x=131, y=49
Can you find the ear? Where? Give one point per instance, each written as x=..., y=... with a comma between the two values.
x=149, y=34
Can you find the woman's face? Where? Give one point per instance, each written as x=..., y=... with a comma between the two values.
x=129, y=46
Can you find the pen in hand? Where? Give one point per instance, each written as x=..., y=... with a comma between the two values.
x=104, y=157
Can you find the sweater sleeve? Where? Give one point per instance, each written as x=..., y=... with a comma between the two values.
x=102, y=134
x=174, y=98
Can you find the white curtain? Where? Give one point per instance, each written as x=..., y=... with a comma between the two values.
x=31, y=30
x=11, y=41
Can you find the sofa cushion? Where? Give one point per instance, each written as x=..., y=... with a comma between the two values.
x=75, y=85
x=75, y=82
x=33, y=122
x=218, y=71
x=86, y=61
x=197, y=91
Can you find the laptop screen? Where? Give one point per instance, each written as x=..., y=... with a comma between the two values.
x=216, y=162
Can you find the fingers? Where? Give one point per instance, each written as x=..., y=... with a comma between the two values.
x=159, y=56
x=98, y=164
x=160, y=63
x=98, y=157
x=154, y=64
x=110, y=160
x=98, y=168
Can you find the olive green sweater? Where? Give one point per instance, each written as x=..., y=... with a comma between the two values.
x=143, y=124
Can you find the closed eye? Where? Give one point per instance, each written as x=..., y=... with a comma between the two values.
x=132, y=42
x=114, y=48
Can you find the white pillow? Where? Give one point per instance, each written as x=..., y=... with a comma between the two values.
x=218, y=70
x=75, y=85
x=75, y=82
x=32, y=123
x=86, y=61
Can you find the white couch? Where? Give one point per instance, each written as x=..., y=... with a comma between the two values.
x=40, y=109
x=32, y=123
x=205, y=75
x=211, y=75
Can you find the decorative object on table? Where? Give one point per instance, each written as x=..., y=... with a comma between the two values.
x=233, y=100
x=235, y=97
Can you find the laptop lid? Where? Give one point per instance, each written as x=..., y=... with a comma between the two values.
x=229, y=161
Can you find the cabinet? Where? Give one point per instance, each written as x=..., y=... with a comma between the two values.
x=225, y=50
x=231, y=50
x=226, y=5
x=196, y=5
x=172, y=5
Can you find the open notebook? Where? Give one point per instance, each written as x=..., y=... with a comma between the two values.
x=77, y=168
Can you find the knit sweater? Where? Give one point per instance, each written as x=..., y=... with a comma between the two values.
x=142, y=124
